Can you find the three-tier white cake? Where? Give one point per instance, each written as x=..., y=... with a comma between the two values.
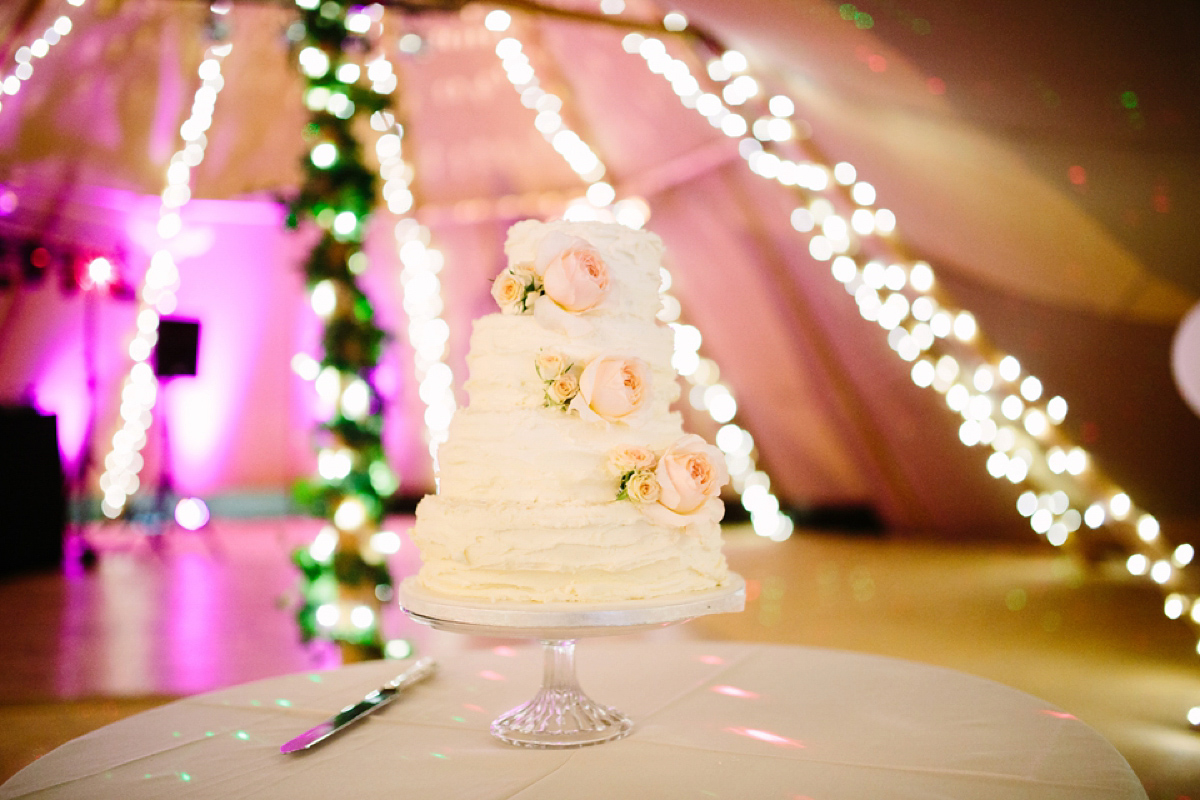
x=567, y=478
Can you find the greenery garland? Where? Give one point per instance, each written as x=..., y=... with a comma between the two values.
x=343, y=572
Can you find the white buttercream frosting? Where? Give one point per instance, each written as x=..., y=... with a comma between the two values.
x=527, y=507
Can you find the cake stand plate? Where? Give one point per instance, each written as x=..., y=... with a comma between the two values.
x=560, y=715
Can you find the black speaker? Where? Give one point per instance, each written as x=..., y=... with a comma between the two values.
x=178, y=342
x=32, y=492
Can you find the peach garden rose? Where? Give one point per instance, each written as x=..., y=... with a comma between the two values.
x=627, y=458
x=612, y=389
x=573, y=274
x=690, y=476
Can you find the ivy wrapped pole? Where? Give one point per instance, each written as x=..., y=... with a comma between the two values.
x=345, y=579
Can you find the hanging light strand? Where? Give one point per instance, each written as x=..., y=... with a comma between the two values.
x=1002, y=405
x=421, y=286
x=706, y=392
x=119, y=480
x=27, y=56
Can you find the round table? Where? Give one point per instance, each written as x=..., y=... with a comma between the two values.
x=712, y=719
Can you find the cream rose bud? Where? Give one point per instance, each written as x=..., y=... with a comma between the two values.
x=524, y=272
x=689, y=473
x=563, y=388
x=642, y=487
x=576, y=279
x=629, y=457
x=549, y=364
x=509, y=292
x=612, y=388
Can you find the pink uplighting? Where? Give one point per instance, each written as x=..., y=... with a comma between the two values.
x=1058, y=714
x=733, y=691
x=489, y=675
x=765, y=736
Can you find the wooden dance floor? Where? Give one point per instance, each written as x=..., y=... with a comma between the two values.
x=161, y=617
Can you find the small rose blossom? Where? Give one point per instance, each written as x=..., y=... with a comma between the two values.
x=629, y=457
x=525, y=272
x=612, y=388
x=549, y=364
x=509, y=293
x=689, y=473
x=576, y=278
x=562, y=388
x=642, y=487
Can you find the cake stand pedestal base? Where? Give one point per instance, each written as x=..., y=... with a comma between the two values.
x=561, y=715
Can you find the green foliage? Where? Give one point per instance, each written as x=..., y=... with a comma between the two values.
x=351, y=341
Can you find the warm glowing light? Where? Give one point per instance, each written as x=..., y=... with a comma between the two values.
x=191, y=513
x=497, y=20
x=674, y=21
x=1119, y=505
x=386, y=542
x=324, y=155
x=324, y=298
x=398, y=649
x=328, y=615
x=964, y=326
x=733, y=691
x=356, y=399
x=323, y=545
x=345, y=223
x=920, y=275
x=362, y=617
x=1009, y=368
x=351, y=514
x=101, y=271
x=844, y=173
x=1147, y=528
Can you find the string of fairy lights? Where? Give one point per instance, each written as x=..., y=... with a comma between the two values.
x=421, y=288
x=27, y=56
x=1001, y=404
x=599, y=201
x=157, y=298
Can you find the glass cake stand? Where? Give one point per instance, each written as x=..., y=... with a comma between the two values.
x=561, y=715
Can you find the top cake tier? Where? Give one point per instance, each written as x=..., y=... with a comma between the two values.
x=633, y=258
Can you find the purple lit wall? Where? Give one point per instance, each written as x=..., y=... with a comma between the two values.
x=245, y=421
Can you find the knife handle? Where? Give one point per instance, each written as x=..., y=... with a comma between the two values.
x=377, y=699
x=421, y=669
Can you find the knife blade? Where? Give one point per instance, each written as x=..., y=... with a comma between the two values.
x=373, y=701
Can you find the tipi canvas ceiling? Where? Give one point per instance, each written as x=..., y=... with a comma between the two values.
x=1057, y=210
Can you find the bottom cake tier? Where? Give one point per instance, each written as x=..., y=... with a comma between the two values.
x=540, y=553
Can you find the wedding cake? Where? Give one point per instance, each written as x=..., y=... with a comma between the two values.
x=567, y=478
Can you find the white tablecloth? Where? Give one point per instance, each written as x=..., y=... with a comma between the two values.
x=719, y=720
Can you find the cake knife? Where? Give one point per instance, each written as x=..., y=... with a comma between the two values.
x=374, y=701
